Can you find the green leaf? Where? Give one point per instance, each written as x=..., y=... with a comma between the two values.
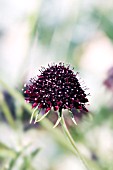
x=4, y=149
x=35, y=152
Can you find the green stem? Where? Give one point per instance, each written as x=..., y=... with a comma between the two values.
x=72, y=142
x=6, y=111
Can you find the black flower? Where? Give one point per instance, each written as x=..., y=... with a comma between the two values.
x=56, y=87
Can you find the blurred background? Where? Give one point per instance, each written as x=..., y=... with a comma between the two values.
x=34, y=33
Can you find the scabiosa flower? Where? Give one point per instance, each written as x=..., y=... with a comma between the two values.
x=57, y=87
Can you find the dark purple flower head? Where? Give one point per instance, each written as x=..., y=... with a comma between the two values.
x=56, y=87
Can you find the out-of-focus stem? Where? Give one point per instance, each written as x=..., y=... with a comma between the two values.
x=72, y=142
x=6, y=111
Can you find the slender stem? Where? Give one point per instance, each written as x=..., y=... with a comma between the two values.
x=6, y=111
x=72, y=142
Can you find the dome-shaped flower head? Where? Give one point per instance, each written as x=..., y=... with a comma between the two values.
x=57, y=87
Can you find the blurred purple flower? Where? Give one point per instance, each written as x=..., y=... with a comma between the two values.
x=109, y=80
